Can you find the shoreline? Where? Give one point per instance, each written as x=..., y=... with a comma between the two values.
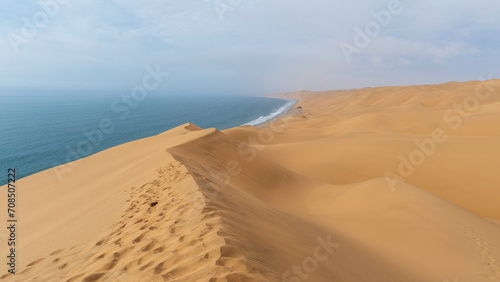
x=292, y=110
x=273, y=115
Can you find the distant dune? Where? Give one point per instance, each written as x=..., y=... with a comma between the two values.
x=374, y=184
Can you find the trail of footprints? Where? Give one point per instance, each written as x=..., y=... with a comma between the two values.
x=483, y=249
x=152, y=240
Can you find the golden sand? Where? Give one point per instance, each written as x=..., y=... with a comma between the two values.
x=374, y=184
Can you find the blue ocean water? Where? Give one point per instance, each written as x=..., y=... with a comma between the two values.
x=38, y=132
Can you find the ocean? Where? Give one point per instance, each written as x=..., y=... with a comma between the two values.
x=40, y=132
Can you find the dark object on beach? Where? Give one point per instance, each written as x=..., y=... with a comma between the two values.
x=299, y=108
x=153, y=204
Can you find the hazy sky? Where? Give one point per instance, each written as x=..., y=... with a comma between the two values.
x=246, y=46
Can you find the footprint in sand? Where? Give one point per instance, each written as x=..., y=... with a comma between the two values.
x=93, y=277
x=100, y=257
x=160, y=268
x=159, y=250
x=149, y=246
x=35, y=262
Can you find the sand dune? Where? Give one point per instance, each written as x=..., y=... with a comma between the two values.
x=374, y=184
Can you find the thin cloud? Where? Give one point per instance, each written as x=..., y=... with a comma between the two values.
x=259, y=47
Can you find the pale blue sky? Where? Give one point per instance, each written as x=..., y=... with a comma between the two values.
x=257, y=47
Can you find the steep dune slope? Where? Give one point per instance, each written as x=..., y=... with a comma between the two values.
x=374, y=227
x=264, y=217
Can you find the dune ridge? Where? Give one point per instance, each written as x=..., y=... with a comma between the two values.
x=316, y=196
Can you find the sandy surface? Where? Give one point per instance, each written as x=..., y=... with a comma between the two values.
x=374, y=184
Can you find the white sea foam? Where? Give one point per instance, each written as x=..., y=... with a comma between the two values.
x=274, y=114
